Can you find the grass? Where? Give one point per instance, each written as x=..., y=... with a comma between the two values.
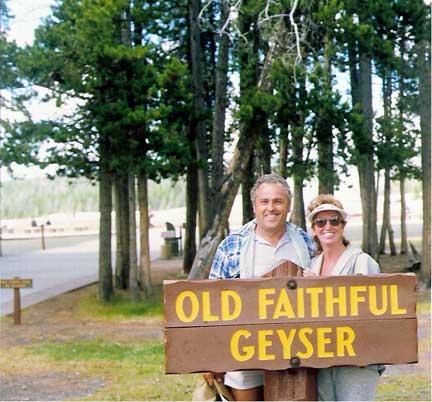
x=121, y=307
x=407, y=387
x=98, y=349
x=131, y=371
x=424, y=302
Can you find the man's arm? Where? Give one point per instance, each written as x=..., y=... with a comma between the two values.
x=219, y=268
x=310, y=244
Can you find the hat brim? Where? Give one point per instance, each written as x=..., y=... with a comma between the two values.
x=327, y=207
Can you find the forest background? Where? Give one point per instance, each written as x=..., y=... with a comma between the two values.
x=216, y=93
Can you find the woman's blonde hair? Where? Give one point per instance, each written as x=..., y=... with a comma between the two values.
x=325, y=199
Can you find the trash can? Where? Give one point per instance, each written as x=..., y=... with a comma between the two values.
x=165, y=251
x=173, y=246
x=170, y=247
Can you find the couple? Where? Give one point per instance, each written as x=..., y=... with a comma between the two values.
x=267, y=240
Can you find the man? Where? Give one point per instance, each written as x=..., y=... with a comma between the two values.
x=255, y=250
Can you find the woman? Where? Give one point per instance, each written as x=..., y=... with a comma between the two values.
x=335, y=256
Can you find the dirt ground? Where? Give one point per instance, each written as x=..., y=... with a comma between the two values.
x=55, y=319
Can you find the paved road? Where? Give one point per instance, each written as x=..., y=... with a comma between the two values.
x=67, y=263
x=71, y=262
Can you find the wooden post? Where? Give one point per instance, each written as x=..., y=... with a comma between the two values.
x=16, y=284
x=17, y=306
x=43, y=236
x=293, y=384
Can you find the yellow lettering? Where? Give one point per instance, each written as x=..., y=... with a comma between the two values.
x=180, y=306
x=331, y=300
x=314, y=292
x=373, y=300
x=322, y=340
x=394, y=301
x=263, y=301
x=226, y=313
x=344, y=341
x=300, y=303
x=246, y=352
x=355, y=298
x=206, y=307
x=306, y=343
x=263, y=343
x=286, y=341
x=283, y=306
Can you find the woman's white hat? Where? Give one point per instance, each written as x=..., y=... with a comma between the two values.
x=328, y=207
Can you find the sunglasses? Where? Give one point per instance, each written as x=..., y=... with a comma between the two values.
x=334, y=221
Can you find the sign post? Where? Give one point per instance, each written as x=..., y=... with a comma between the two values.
x=293, y=384
x=16, y=284
x=287, y=323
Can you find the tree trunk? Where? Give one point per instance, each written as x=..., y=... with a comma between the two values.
x=386, y=161
x=249, y=76
x=235, y=173
x=246, y=187
x=425, y=127
x=105, y=284
x=218, y=134
x=283, y=151
x=144, y=264
x=404, y=236
x=118, y=237
x=191, y=213
x=325, y=164
x=298, y=211
x=361, y=91
x=386, y=221
x=122, y=232
x=215, y=234
x=326, y=174
x=264, y=150
x=367, y=166
x=199, y=123
x=133, y=270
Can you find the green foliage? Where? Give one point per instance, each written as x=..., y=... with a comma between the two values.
x=42, y=197
x=15, y=146
x=125, y=67
x=87, y=52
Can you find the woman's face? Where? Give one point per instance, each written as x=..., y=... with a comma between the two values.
x=328, y=227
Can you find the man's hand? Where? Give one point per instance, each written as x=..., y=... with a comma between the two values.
x=210, y=377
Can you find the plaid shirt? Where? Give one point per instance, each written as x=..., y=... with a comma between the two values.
x=226, y=263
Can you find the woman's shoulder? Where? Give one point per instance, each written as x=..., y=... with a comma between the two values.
x=364, y=263
x=316, y=263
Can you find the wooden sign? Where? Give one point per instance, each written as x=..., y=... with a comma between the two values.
x=16, y=283
x=279, y=323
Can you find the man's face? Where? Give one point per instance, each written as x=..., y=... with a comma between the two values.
x=271, y=207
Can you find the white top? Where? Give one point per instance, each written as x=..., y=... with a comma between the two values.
x=351, y=262
x=268, y=256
